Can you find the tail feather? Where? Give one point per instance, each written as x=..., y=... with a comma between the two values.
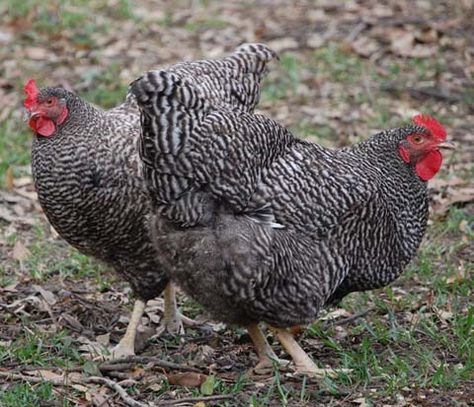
x=183, y=111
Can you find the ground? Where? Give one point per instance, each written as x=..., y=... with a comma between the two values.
x=347, y=69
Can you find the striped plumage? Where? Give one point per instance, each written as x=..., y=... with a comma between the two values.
x=258, y=225
x=87, y=172
x=88, y=184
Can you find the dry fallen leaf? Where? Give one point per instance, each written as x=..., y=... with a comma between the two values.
x=138, y=372
x=465, y=227
x=437, y=183
x=460, y=195
x=442, y=314
x=20, y=251
x=283, y=44
x=103, y=339
x=467, y=4
x=9, y=178
x=187, y=379
x=337, y=313
x=365, y=46
x=429, y=35
x=37, y=53
x=99, y=400
x=23, y=182
x=80, y=387
x=71, y=321
x=48, y=296
x=48, y=375
x=458, y=277
x=155, y=387
x=403, y=43
x=315, y=41
x=362, y=401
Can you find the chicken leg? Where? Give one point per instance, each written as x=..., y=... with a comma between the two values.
x=265, y=353
x=126, y=346
x=173, y=320
x=303, y=363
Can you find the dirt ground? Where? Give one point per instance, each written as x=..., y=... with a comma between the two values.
x=346, y=70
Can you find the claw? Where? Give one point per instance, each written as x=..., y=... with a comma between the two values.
x=126, y=346
x=303, y=363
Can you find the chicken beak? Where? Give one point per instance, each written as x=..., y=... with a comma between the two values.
x=448, y=145
x=30, y=115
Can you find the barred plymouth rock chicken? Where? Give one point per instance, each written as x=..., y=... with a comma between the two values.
x=86, y=172
x=259, y=226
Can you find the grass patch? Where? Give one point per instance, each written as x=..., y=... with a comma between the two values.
x=15, y=148
x=210, y=23
x=105, y=90
x=40, y=348
x=337, y=65
x=284, y=81
x=27, y=395
x=63, y=19
x=417, y=340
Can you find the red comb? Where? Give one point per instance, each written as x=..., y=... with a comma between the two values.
x=430, y=123
x=32, y=93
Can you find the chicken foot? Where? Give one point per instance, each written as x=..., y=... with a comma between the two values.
x=126, y=346
x=303, y=363
x=266, y=355
x=173, y=320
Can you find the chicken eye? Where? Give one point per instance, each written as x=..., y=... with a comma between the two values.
x=49, y=101
x=417, y=139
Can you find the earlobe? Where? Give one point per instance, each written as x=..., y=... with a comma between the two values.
x=404, y=154
x=62, y=117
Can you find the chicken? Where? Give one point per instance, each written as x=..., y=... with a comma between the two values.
x=259, y=226
x=86, y=174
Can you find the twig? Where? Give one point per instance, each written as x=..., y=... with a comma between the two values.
x=119, y=389
x=115, y=367
x=120, y=375
x=347, y=320
x=30, y=379
x=109, y=365
x=196, y=399
x=7, y=309
x=356, y=31
x=32, y=368
x=423, y=92
x=93, y=379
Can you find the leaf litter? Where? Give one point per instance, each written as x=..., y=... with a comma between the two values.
x=397, y=56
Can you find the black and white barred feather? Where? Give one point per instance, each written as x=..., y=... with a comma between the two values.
x=88, y=178
x=258, y=225
x=232, y=84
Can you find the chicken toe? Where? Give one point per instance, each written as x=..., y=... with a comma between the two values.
x=303, y=363
x=126, y=346
x=173, y=321
x=267, y=357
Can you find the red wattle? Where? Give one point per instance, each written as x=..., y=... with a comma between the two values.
x=429, y=165
x=42, y=126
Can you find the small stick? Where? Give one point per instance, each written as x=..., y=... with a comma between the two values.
x=119, y=389
x=145, y=359
x=196, y=399
x=347, y=320
x=115, y=367
x=30, y=379
x=93, y=379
